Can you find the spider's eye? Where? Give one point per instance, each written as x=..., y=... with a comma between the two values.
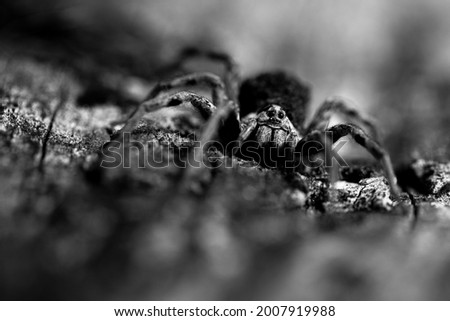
x=271, y=113
x=281, y=114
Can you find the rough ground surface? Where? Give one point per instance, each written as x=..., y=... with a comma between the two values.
x=70, y=230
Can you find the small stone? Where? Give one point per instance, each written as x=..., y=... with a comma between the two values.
x=366, y=195
x=434, y=176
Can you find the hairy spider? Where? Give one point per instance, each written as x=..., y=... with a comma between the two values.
x=264, y=115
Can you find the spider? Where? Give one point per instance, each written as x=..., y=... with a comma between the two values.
x=264, y=113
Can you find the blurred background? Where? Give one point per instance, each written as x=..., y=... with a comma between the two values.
x=392, y=59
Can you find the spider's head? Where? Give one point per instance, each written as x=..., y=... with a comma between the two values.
x=273, y=116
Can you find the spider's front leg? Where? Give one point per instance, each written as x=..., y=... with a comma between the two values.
x=221, y=116
x=228, y=129
x=306, y=151
x=202, y=105
x=231, y=74
x=374, y=148
x=193, y=174
x=159, y=97
x=337, y=105
x=292, y=165
x=200, y=79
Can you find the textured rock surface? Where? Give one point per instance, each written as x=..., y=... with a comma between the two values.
x=433, y=177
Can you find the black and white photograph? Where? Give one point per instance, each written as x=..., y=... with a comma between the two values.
x=240, y=150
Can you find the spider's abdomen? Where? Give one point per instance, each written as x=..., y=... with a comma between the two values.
x=277, y=88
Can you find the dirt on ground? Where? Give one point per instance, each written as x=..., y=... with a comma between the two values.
x=70, y=229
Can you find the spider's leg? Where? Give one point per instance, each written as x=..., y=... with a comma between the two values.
x=229, y=130
x=201, y=79
x=296, y=163
x=222, y=114
x=208, y=135
x=159, y=98
x=337, y=105
x=203, y=105
x=371, y=145
x=231, y=76
x=192, y=80
x=316, y=142
x=288, y=152
x=250, y=127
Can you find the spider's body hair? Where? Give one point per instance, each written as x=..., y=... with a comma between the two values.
x=277, y=131
x=279, y=88
x=266, y=137
x=271, y=131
